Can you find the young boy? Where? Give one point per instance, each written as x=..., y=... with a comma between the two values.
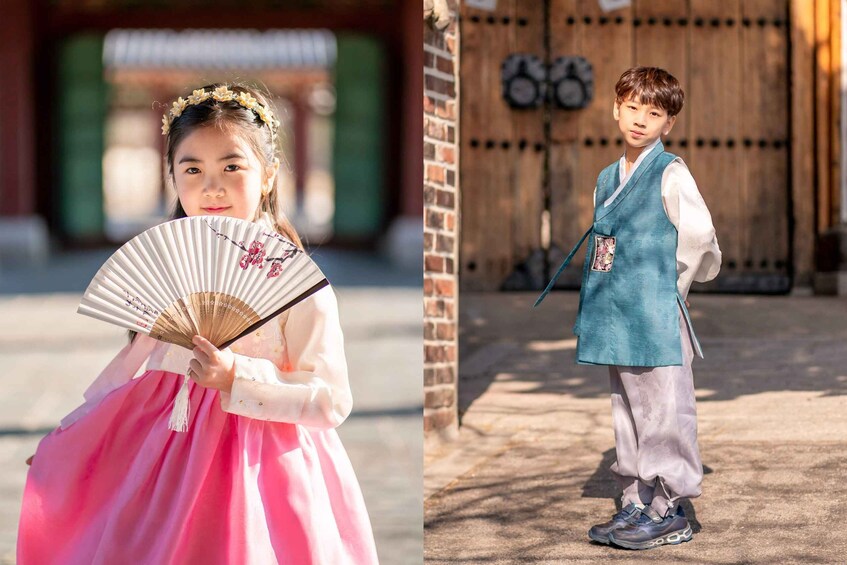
x=652, y=237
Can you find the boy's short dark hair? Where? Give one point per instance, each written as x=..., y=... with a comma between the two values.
x=651, y=85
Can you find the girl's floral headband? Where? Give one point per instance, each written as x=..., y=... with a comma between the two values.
x=220, y=94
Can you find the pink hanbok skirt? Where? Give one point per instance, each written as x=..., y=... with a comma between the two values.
x=117, y=486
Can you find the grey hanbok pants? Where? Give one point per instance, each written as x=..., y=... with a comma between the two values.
x=655, y=421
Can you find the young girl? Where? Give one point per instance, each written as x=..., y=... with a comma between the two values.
x=260, y=476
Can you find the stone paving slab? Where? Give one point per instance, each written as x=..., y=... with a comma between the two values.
x=528, y=474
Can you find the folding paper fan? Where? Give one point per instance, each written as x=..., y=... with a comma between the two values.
x=216, y=276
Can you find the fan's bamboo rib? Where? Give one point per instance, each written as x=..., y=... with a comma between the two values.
x=157, y=266
x=137, y=255
x=151, y=290
x=229, y=254
x=95, y=300
x=188, y=252
x=118, y=280
x=192, y=250
x=109, y=317
x=208, y=266
x=172, y=259
x=151, y=262
x=181, y=250
x=243, y=274
x=301, y=279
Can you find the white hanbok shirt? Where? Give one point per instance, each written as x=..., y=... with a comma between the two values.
x=292, y=369
x=698, y=257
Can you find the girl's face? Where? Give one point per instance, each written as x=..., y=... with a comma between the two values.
x=217, y=172
x=641, y=124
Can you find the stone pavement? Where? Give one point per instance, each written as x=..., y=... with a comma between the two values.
x=49, y=354
x=528, y=474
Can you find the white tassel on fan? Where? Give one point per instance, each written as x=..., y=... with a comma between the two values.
x=178, y=421
x=215, y=276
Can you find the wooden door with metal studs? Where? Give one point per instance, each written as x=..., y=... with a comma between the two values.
x=537, y=82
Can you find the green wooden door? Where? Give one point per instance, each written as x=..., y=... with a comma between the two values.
x=359, y=132
x=81, y=112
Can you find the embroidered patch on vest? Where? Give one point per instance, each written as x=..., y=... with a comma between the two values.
x=604, y=253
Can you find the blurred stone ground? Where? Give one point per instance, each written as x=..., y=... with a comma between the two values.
x=529, y=473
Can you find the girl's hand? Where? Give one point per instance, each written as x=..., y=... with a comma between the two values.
x=212, y=367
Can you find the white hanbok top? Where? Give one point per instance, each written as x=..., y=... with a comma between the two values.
x=292, y=369
x=698, y=257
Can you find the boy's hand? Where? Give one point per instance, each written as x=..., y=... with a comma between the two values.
x=211, y=367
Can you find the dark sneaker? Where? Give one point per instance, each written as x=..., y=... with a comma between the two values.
x=651, y=530
x=628, y=515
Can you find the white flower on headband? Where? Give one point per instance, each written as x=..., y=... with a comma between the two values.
x=223, y=94
x=198, y=96
x=220, y=94
x=178, y=107
x=246, y=100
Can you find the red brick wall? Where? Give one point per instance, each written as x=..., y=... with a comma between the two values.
x=441, y=219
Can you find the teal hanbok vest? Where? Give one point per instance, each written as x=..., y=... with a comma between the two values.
x=629, y=304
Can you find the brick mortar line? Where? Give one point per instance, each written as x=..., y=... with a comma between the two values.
x=429, y=71
x=434, y=205
x=447, y=121
x=453, y=167
x=449, y=234
x=436, y=208
x=437, y=96
x=442, y=142
x=438, y=51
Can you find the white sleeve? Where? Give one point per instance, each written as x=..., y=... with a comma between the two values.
x=698, y=257
x=314, y=391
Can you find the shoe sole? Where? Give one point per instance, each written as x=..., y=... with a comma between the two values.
x=599, y=539
x=673, y=538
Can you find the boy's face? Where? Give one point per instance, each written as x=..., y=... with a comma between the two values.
x=641, y=124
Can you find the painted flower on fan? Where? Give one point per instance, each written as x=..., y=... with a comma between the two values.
x=254, y=256
x=276, y=269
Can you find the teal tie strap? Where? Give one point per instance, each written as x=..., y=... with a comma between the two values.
x=694, y=341
x=565, y=263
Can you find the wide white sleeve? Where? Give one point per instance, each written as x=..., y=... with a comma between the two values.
x=698, y=257
x=314, y=391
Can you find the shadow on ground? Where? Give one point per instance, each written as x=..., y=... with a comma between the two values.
x=752, y=344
